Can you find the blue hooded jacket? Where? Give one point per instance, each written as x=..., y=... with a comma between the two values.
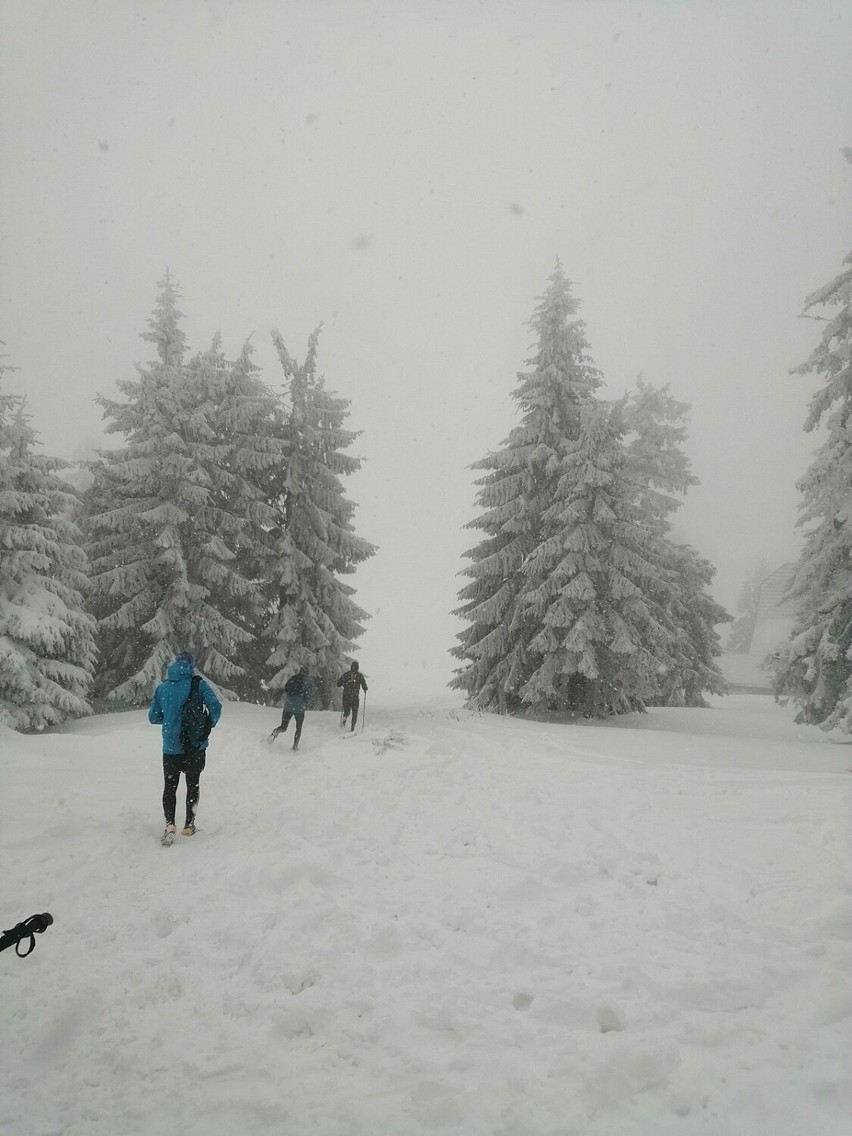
x=168, y=701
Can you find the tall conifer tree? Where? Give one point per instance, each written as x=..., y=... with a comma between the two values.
x=578, y=599
x=604, y=635
x=178, y=528
x=47, y=651
x=315, y=622
x=520, y=487
x=662, y=473
x=656, y=423
x=815, y=666
x=693, y=615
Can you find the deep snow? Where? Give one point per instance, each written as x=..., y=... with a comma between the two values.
x=448, y=923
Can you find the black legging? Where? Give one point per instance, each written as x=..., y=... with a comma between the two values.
x=285, y=722
x=350, y=706
x=191, y=767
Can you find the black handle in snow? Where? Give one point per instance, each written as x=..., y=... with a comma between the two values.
x=31, y=927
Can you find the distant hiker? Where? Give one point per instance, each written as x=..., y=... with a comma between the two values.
x=353, y=683
x=188, y=710
x=298, y=692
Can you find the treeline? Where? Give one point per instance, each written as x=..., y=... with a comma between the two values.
x=218, y=524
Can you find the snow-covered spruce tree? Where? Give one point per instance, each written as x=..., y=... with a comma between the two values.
x=315, y=622
x=693, y=615
x=178, y=530
x=601, y=587
x=521, y=486
x=661, y=471
x=47, y=650
x=815, y=666
x=656, y=423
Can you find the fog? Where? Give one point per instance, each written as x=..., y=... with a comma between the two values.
x=407, y=174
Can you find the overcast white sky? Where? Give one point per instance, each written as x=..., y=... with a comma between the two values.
x=407, y=173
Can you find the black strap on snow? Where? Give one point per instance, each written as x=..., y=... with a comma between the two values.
x=31, y=927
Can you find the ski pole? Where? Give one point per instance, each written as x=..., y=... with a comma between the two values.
x=31, y=927
x=364, y=715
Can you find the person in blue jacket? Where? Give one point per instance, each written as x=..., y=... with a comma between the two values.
x=298, y=692
x=186, y=755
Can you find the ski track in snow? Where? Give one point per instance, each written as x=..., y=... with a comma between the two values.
x=450, y=923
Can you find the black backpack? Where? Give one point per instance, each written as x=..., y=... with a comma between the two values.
x=194, y=719
x=295, y=684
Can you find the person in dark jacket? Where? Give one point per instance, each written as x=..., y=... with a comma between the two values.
x=190, y=758
x=353, y=683
x=298, y=692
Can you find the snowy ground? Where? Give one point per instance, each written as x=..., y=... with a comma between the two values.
x=446, y=924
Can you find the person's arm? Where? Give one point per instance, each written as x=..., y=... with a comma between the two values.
x=155, y=710
x=363, y=683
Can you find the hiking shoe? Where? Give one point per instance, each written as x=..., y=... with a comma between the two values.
x=189, y=830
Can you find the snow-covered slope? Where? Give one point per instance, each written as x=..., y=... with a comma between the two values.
x=446, y=923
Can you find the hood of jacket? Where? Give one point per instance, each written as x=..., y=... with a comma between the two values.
x=179, y=671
